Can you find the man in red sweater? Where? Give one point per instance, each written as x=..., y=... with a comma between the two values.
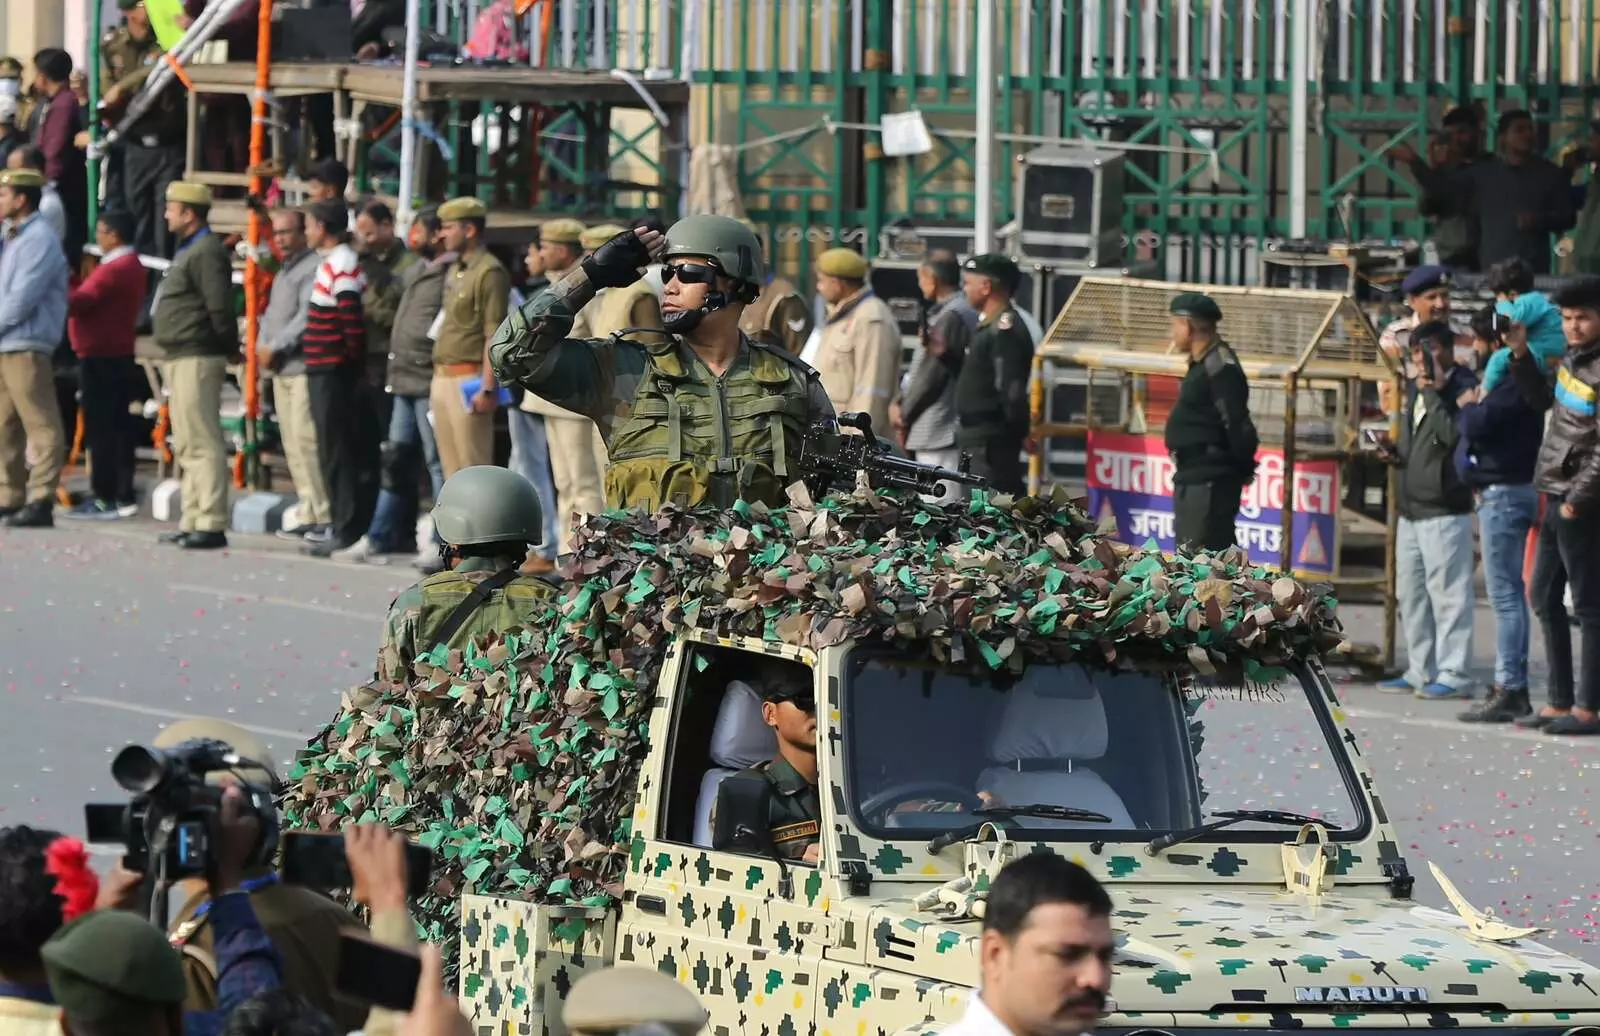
x=102, y=314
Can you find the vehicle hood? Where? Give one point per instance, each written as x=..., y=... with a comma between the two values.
x=1184, y=949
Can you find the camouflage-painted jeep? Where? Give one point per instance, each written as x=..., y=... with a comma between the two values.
x=1186, y=794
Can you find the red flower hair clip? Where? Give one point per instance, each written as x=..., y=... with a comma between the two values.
x=76, y=883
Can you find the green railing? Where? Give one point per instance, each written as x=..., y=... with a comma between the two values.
x=1175, y=77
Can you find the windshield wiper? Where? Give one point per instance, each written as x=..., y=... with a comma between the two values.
x=1229, y=817
x=1039, y=809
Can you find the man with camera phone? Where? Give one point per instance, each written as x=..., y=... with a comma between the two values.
x=303, y=924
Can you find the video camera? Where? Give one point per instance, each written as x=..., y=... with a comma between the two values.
x=168, y=829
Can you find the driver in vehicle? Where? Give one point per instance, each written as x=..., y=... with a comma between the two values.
x=789, y=707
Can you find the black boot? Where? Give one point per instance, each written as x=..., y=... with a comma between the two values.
x=37, y=514
x=1502, y=706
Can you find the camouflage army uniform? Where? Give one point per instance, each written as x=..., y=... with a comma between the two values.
x=795, y=814
x=675, y=431
x=151, y=152
x=422, y=608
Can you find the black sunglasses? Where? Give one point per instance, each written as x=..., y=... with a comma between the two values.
x=805, y=701
x=689, y=273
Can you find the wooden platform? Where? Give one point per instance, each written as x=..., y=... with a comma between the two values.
x=383, y=84
x=285, y=79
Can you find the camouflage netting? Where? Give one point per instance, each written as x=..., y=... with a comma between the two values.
x=517, y=759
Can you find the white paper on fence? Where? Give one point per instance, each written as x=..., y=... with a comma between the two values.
x=904, y=133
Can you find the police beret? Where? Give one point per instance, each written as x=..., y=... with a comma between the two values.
x=993, y=264
x=111, y=963
x=185, y=193
x=1579, y=293
x=462, y=208
x=622, y=998
x=594, y=237
x=561, y=232
x=1424, y=278
x=22, y=178
x=1195, y=304
x=843, y=262
x=241, y=740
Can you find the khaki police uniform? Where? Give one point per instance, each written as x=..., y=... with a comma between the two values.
x=779, y=316
x=859, y=356
x=194, y=323
x=477, y=293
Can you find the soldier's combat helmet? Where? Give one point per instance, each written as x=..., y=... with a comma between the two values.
x=488, y=504
x=731, y=246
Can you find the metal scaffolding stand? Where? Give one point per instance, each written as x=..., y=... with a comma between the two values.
x=1308, y=355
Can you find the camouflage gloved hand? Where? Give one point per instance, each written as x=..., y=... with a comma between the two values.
x=616, y=264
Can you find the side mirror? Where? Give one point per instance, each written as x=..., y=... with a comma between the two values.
x=740, y=826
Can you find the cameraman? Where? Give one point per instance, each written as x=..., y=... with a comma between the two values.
x=303, y=924
x=113, y=972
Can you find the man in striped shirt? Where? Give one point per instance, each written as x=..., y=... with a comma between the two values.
x=335, y=348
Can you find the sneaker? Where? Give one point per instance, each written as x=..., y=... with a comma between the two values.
x=1399, y=685
x=1442, y=692
x=360, y=551
x=1504, y=705
x=428, y=562
x=94, y=511
x=318, y=535
x=128, y=510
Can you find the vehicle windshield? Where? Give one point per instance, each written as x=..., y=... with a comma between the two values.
x=1153, y=753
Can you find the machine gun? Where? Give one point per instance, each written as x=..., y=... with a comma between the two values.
x=831, y=457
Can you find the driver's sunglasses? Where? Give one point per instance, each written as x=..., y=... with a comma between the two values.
x=806, y=702
x=689, y=273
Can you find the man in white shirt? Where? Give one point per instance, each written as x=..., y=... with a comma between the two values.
x=1045, y=954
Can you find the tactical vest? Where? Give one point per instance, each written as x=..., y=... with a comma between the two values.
x=692, y=439
x=515, y=604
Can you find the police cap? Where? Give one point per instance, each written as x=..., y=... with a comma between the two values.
x=185, y=193
x=617, y=999
x=111, y=964
x=128, y=5
x=239, y=739
x=996, y=267
x=561, y=231
x=594, y=237
x=457, y=209
x=21, y=178
x=1425, y=278
x=1580, y=293
x=1196, y=304
x=486, y=503
x=844, y=263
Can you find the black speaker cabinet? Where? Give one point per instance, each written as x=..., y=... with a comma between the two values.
x=1069, y=206
x=895, y=282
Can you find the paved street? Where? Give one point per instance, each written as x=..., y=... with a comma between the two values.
x=105, y=637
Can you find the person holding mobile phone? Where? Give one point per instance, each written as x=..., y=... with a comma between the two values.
x=1567, y=477
x=1434, y=548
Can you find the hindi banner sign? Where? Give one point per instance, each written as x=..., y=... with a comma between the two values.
x=1130, y=480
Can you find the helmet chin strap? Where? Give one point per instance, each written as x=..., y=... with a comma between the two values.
x=686, y=320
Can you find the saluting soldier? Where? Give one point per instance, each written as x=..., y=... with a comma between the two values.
x=705, y=416
x=151, y=153
x=991, y=396
x=780, y=316
x=1209, y=432
x=486, y=517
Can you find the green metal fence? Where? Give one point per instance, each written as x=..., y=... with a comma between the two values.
x=780, y=77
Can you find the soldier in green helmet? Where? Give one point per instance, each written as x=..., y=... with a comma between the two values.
x=705, y=416
x=486, y=517
x=1209, y=431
